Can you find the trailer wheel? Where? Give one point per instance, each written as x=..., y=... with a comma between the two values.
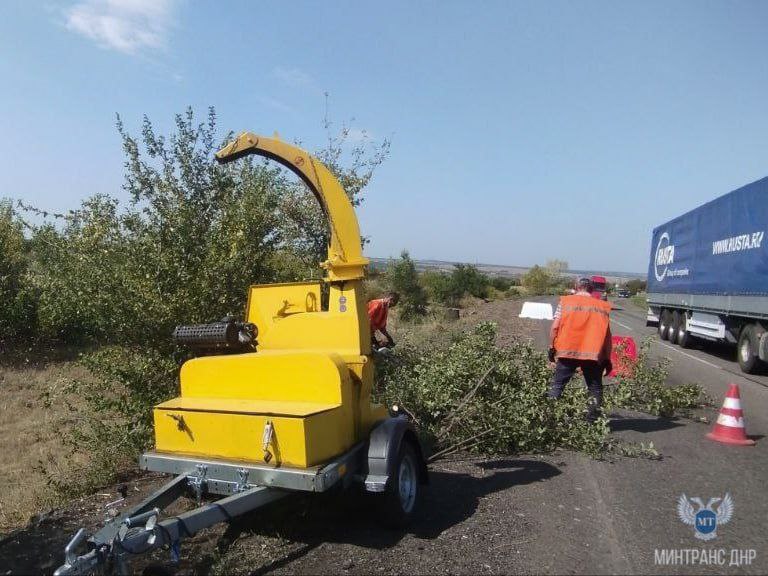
x=683, y=336
x=747, y=350
x=401, y=500
x=664, y=324
x=676, y=326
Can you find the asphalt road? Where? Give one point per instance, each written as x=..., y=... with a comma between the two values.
x=636, y=499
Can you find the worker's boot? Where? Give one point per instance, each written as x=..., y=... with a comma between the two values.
x=594, y=412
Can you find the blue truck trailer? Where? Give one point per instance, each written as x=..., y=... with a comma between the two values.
x=708, y=275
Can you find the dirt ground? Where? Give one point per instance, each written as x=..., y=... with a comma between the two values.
x=336, y=534
x=505, y=314
x=30, y=438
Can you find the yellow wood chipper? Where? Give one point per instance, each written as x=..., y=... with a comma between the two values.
x=279, y=402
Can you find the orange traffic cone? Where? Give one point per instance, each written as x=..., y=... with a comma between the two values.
x=729, y=427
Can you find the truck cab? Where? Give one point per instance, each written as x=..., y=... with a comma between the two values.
x=599, y=288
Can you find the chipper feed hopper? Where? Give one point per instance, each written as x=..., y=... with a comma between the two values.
x=280, y=402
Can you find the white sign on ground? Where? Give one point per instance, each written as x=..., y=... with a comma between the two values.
x=536, y=310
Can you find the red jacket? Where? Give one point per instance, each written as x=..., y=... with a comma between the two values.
x=377, y=314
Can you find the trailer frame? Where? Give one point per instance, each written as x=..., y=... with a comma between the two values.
x=243, y=487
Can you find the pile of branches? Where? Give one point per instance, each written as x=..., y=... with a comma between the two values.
x=466, y=394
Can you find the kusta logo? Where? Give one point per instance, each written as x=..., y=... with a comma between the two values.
x=665, y=255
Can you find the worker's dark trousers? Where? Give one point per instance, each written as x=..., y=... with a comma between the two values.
x=593, y=375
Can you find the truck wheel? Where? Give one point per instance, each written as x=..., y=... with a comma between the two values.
x=683, y=336
x=674, y=331
x=747, y=350
x=664, y=322
x=400, y=501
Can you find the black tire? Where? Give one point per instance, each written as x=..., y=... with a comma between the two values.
x=674, y=331
x=684, y=337
x=747, y=350
x=664, y=324
x=399, y=504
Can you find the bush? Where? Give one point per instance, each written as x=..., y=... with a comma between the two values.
x=403, y=278
x=17, y=309
x=644, y=389
x=635, y=285
x=467, y=394
x=467, y=279
x=502, y=283
x=194, y=236
x=449, y=289
x=470, y=395
x=440, y=288
x=537, y=280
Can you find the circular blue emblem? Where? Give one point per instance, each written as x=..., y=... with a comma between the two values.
x=706, y=521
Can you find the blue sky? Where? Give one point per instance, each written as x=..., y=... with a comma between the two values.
x=521, y=131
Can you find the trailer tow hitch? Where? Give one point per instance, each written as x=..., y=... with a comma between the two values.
x=140, y=530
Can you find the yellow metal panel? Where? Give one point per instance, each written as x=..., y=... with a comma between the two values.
x=287, y=319
x=268, y=407
x=235, y=436
x=268, y=375
x=299, y=442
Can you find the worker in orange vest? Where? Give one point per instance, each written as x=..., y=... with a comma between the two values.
x=580, y=337
x=378, y=311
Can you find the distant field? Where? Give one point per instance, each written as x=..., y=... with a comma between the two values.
x=507, y=271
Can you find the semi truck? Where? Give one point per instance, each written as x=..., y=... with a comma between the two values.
x=599, y=288
x=708, y=275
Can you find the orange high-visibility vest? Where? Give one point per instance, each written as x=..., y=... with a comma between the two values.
x=584, y=323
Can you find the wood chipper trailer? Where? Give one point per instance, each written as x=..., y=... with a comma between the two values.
x=256, y=422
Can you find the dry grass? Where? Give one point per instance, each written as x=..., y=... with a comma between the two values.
x=31, y=433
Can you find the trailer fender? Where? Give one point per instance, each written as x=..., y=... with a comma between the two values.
x=383, y=447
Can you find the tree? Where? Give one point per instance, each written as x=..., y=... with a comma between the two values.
x=556, y=267
x=537, y=280
x=16, y=302
x=404, y=279
x=636, y=285
x=467, y=279
x=440, y=288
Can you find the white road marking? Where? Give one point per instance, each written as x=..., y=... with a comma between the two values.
x=691, y=356
x=622, y=325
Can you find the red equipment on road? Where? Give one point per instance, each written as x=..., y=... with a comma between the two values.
x=623, y=355
x=729, y=427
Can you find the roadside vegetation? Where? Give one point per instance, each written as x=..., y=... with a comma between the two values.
x=468, y=394
x=640, y=300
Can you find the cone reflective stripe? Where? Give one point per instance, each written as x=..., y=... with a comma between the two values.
x=729, y=427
